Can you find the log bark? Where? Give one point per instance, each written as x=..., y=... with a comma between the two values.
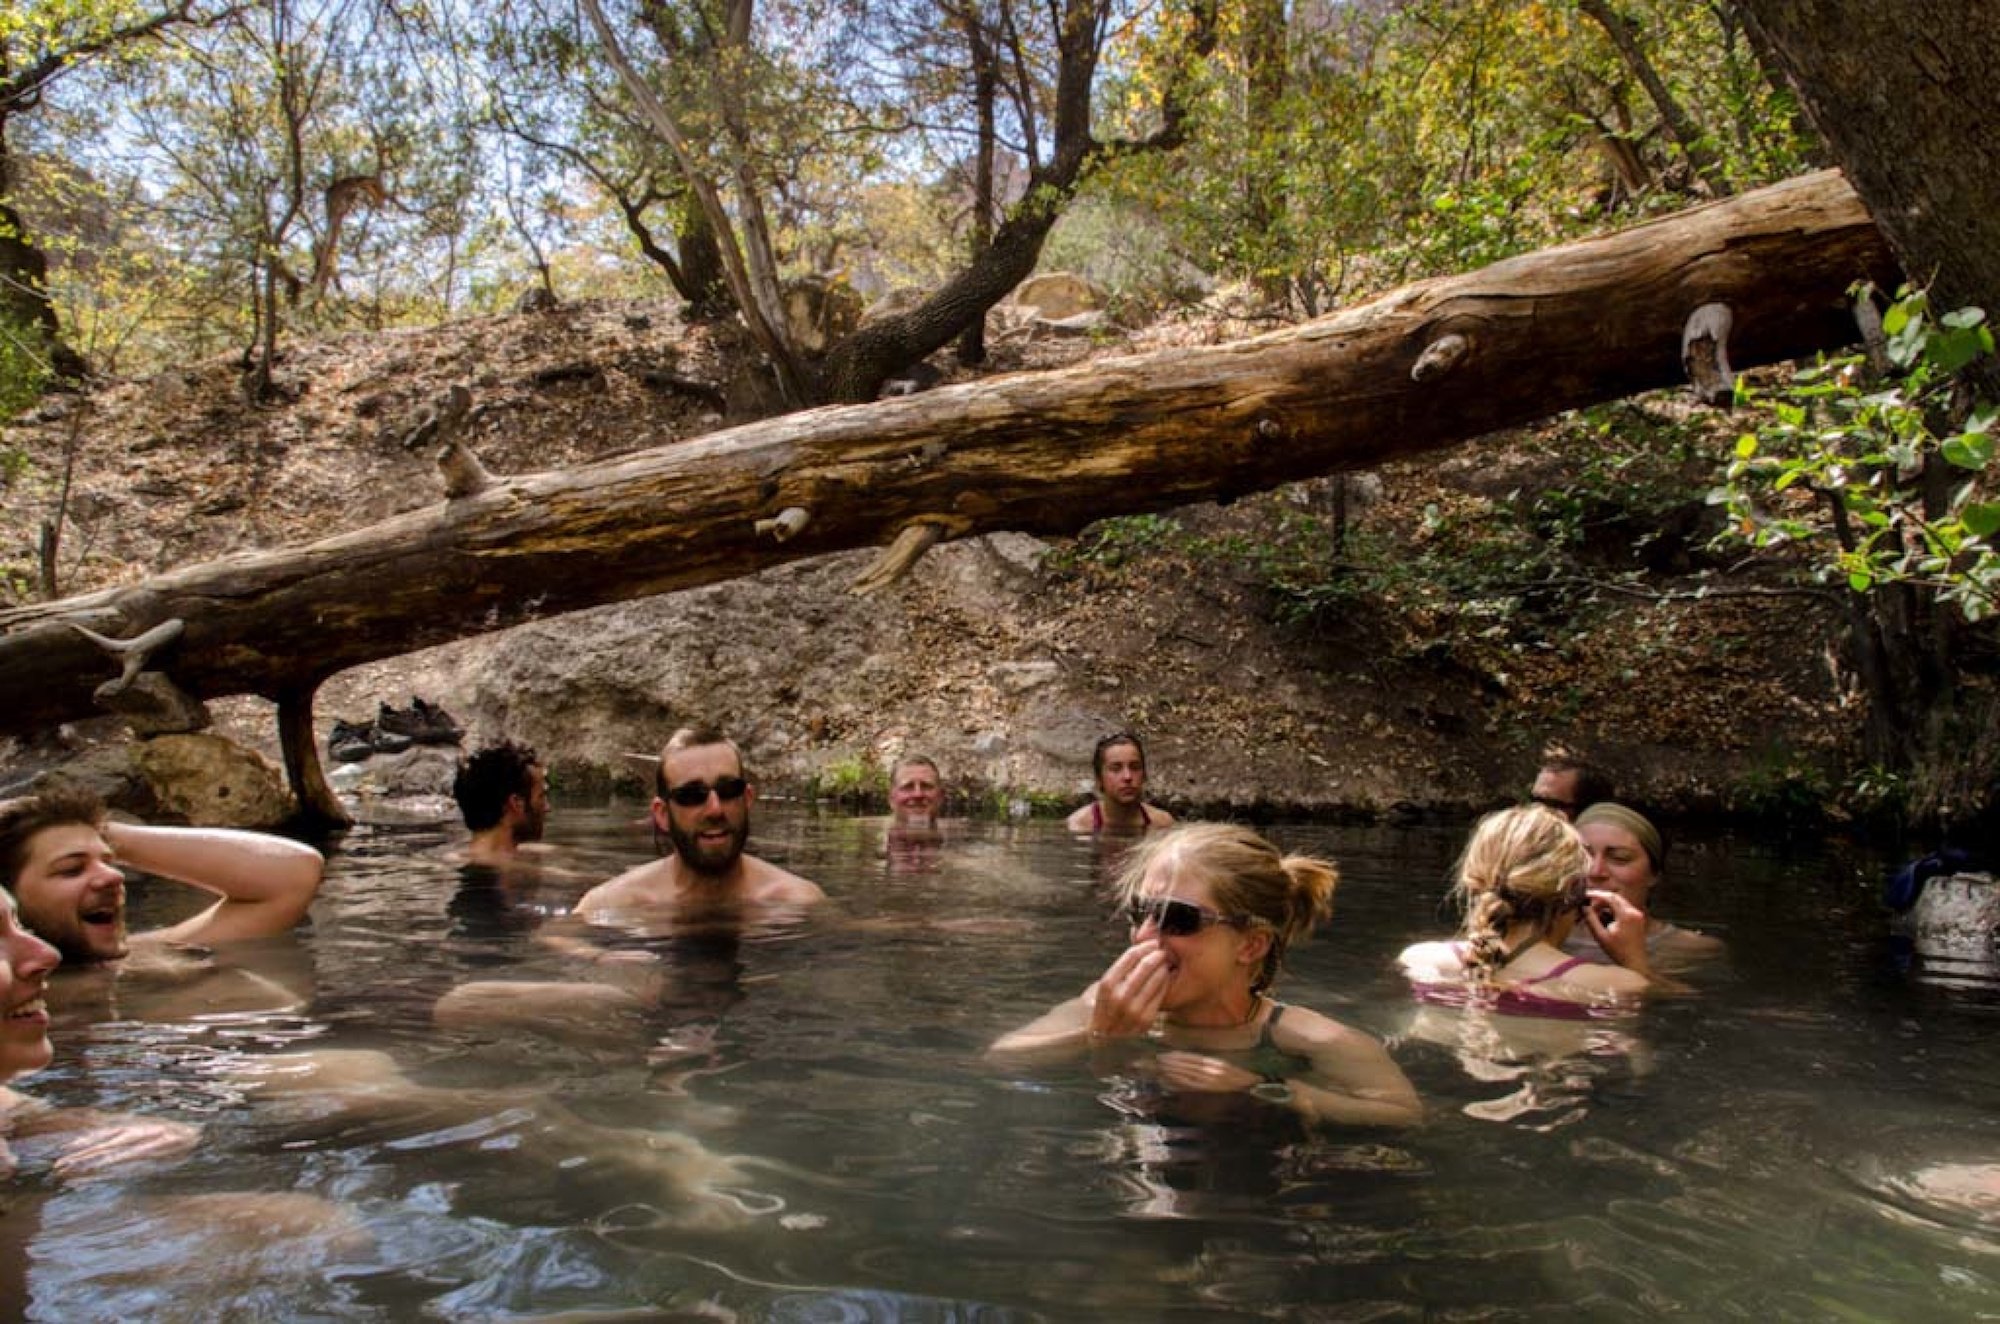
x=1045, y=453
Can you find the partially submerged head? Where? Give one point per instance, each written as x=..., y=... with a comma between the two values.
x=1627, y=853
x=1266, y=900
x=702, y=798
x=54, y=858
x=1568, y=782
x=1522, y=865
x=916, y=790
x=1119, y=764
x=25, y=963
x=503, y=783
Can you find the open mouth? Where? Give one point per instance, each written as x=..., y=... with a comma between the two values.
x=34, y=1009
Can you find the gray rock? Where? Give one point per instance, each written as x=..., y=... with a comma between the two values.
x=1957, y=915
x=211, y=781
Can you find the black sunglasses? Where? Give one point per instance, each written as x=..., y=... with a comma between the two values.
x=693, y=795
x=1177, y=919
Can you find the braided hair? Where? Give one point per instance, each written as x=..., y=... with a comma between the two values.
x=1518, y=867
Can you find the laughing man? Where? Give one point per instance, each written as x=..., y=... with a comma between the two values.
x=61, y=858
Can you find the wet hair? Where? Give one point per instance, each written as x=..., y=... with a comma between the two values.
x=1520, y=865
x=1247, y=878
x=1111, y=742
x=21, y=820
x=693, y=737
x=486, y=780
x=1593, y=784
x=1632, y=821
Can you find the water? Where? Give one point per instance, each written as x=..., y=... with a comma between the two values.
x=796, y=1124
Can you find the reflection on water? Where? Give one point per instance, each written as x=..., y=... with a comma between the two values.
x=793, y=1122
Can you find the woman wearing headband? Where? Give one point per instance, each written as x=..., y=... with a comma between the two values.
x=1628, y=856
x=1212, y=909
x=1523, y=881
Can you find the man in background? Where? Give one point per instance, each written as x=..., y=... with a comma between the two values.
x=1568, y=782
x=503, y=794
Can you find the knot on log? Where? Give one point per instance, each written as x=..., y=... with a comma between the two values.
x=1268, y=429
x=1439, y=357
x=1869, y=318
x=464, y=475
x=785, y=525
x=135, y=652
x=896, y=559
x=1705, y=354
x=441, y=421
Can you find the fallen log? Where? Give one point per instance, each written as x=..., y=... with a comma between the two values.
x=1424, y=366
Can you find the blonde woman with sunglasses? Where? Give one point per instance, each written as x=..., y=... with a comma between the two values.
x=1213, y=909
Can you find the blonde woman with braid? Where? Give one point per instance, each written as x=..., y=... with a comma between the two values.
x=1213, y=909
x=1523, y=881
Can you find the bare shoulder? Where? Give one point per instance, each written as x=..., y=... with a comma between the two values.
x=1080, y=820
x=1605, y=979
x=1304, y=1030
x=766, y=882
x=1431, y=961
x=637, y=886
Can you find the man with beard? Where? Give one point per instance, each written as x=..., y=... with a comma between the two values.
x=701, y=804
x=61, y=857
x=503, y=795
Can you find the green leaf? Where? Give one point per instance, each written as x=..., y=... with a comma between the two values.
x=1981, y=518
x=1970, y=450
x=1860, y=581
x=1746, y=446
x=1964, y=317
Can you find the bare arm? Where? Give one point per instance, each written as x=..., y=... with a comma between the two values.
x=1620, y=929
x=1120, y=1006
x=1353, y=1079
x=265, y=882
x=85, y=1141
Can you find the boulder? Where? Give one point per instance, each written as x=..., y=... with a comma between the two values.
x=1957, y=915
x=211, y=781
x=1059, y=295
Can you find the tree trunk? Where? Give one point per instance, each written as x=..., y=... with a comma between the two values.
x=1907, y=95
x=24, y=270
x=1422, y=367
x=1685, y=134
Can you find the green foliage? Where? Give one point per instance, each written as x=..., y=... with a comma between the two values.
x=1839, y=458
x=1111, y=543
x=1788, y=786
x=855, y=780
x=24, y=372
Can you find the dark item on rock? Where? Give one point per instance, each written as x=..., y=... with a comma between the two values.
x=348, y=743
x=424, y=723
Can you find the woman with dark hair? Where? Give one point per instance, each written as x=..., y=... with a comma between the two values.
x=1118, y=764
x=1213, y=909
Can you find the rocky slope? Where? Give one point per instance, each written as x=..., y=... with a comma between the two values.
x=1002, y=657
